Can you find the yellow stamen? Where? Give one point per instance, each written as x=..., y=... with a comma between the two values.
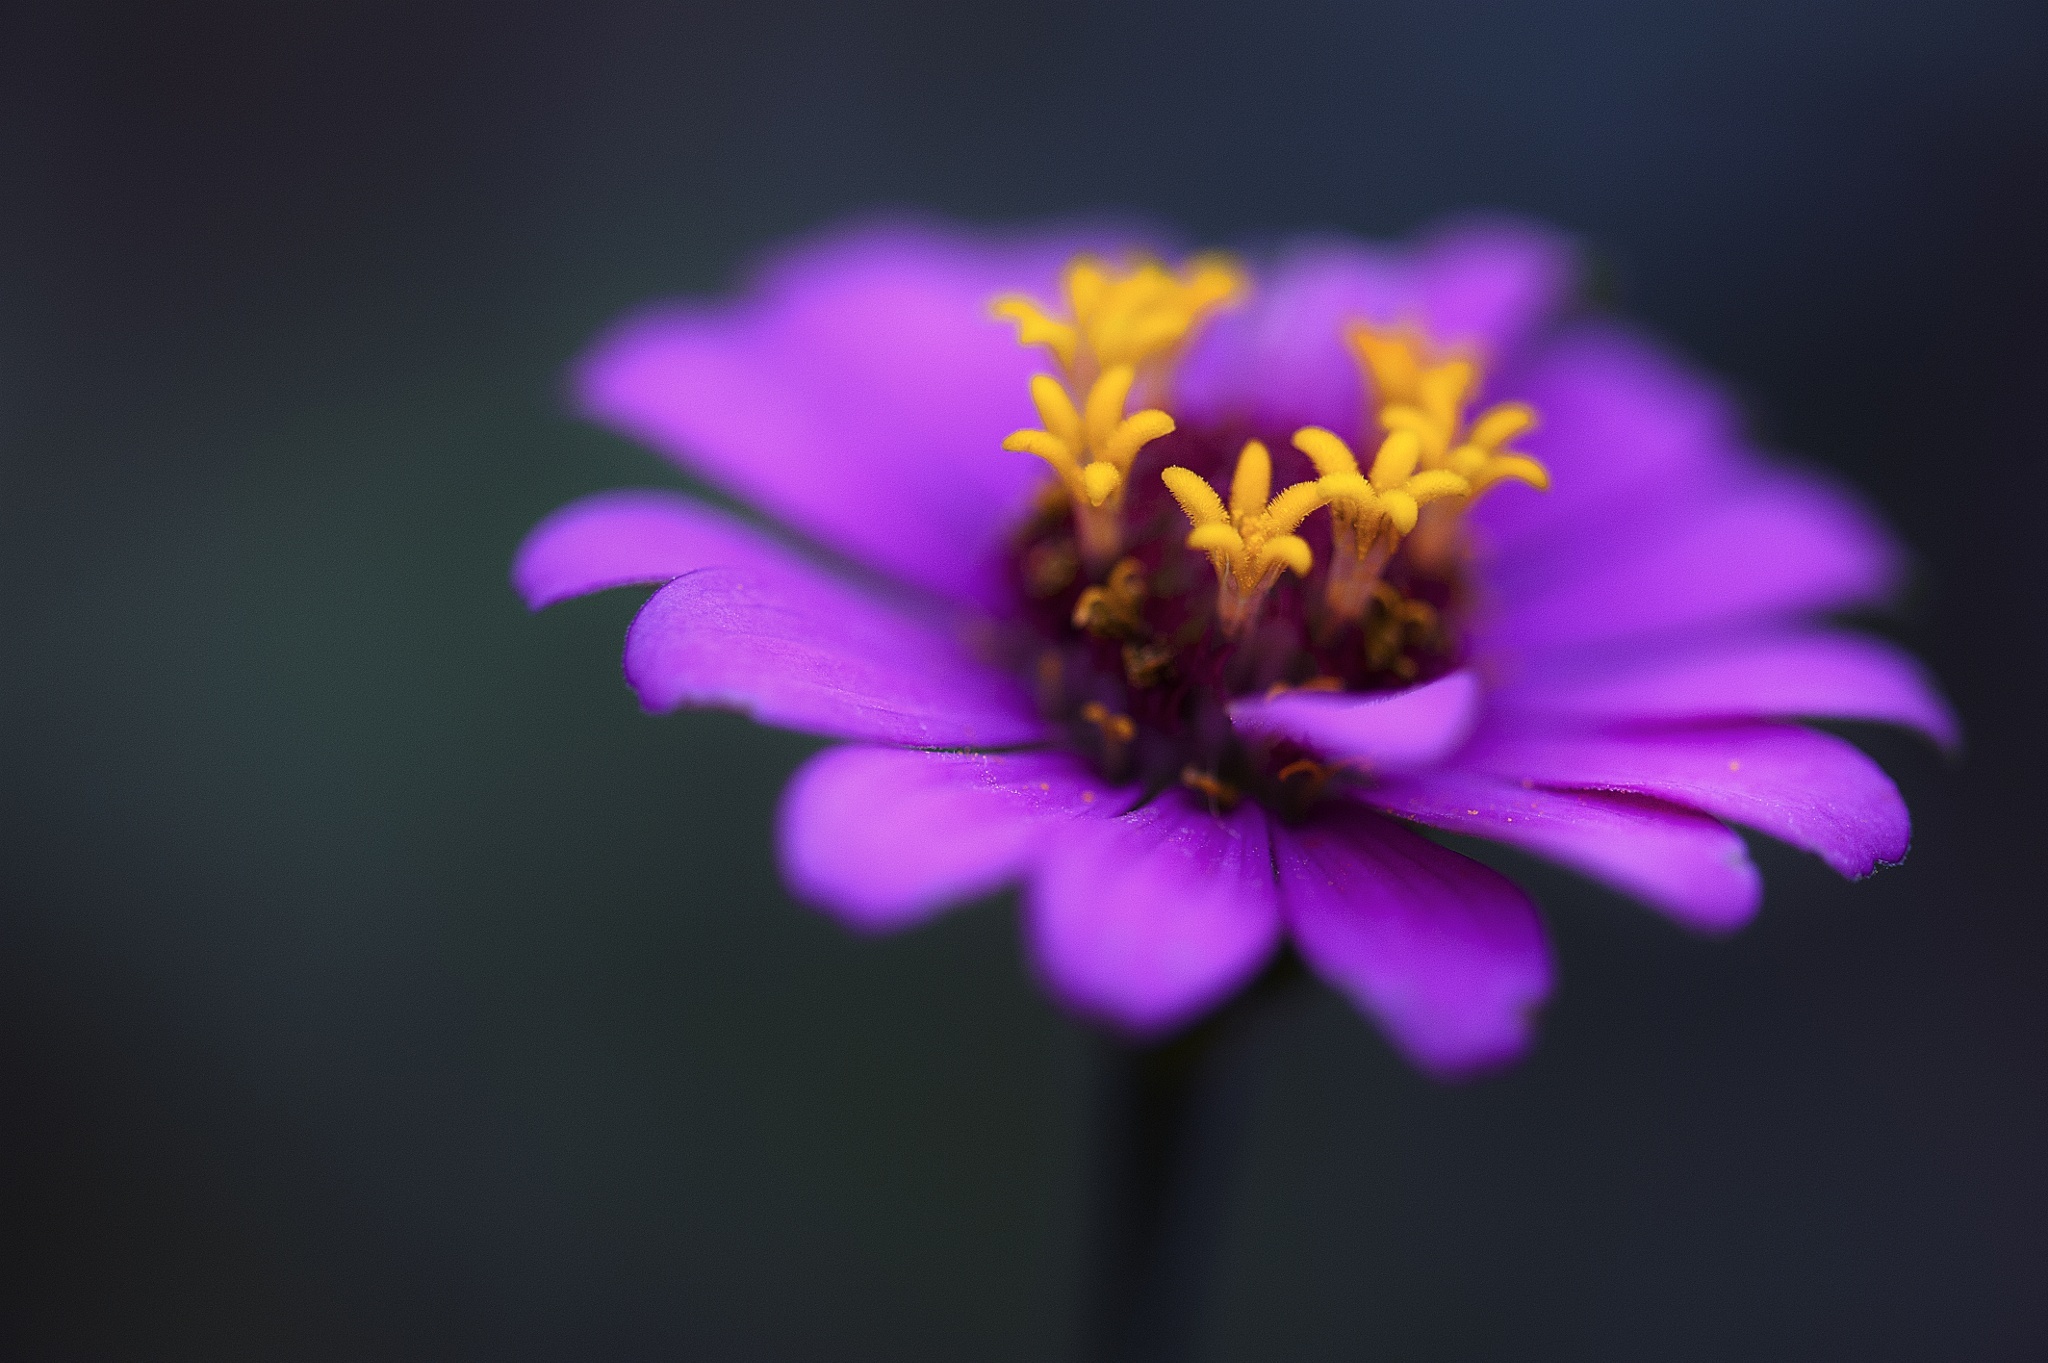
x=1220, y=792
x=1252, y=541
x=1318, y=775
x=1130, y=317
x=1125, y=329
x=1426, y=394
x=1115, y=610
x=1147, y=664
x=1321, y=682
x=1114, y=731
x=1400, y=625
x=1115, y=728
x=1422, y=394
x=1370, y=513
x=1034, y=327
x=1091, y=450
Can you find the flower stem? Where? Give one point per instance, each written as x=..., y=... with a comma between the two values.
x=1171, y=1124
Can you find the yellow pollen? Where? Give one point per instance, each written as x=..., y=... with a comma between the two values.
x=1252, y=540
x=1370, y=513
x=1400, y=624
x=1147, y=664
x=1429, y=466
x=1315, y=684
x=1116, y=608
x=1220, y=792
x=1115, y=728
x=1392, y=495
x=1129, y=317
x=1426, y=393
x=1318, y=775
x=1091, y=448
x=1122, y=329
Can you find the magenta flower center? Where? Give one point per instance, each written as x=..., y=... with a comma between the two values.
x=1169, y=570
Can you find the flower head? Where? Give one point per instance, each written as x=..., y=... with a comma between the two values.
x=1307, y=572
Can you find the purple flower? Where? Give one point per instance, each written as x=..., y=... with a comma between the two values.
x=1522, y=578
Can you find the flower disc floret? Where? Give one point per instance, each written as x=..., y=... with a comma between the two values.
x=1419, y=390
x=1371, y=513
x=1252, y=541
x=1131, y=317
x=1120, y=328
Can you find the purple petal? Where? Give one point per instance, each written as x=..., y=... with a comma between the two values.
x=1488, y=284
x=886, y=837
x=1779, y=545
x=1446, y=954
x=860, y=392
x=1280, y=361
x=1627, y=432
x=1812, y=674
x=1394, y=731
x=620, y=539
x=1148, y=920
x=1809, y=789
x=792, y=646
x=1659, y=517
x=1691, y=867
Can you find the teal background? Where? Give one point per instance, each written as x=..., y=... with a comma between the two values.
x=377, y=982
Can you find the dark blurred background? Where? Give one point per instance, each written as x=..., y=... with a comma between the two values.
x=377, y=982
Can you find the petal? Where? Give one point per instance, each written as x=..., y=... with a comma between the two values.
x=1394, y=731
x=1447, y=954
x=1809, y=789
x=860, y=392
x=792, y=646
x=1811, y=674
x=1486, y=284
x=1281, y=362
x=619, y=539
x=1776, y=545
x=1691, y=867
x=1625, y=428
x=1148, y=920
x=885, y=837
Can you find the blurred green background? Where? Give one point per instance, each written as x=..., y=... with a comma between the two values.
x=377, y=982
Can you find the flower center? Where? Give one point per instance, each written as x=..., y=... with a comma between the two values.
x=1351, y=578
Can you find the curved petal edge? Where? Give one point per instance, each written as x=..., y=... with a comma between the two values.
x=1802, y=674
x=1448, y=955
x=792, y=646
x=882, y=838
x=630, y=538
x=1149, y=920
x=1800, y=786
x=1394, y=731
x=1691, y=868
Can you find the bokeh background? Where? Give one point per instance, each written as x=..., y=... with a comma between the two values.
x=377, y=982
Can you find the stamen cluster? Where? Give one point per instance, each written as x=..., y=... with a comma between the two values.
x=1131, y=653
x=1124, y=329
